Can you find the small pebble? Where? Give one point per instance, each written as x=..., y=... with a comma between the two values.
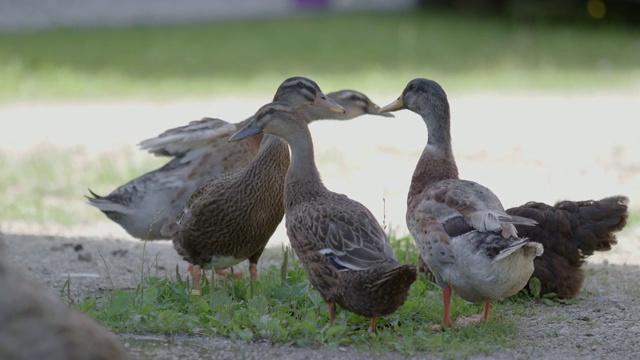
x=635, y=329
x=119, y=252
x=619, y=306
x=84, y=256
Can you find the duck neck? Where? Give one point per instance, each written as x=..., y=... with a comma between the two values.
x=303, y=179
x=437, y=161
x=272, y=158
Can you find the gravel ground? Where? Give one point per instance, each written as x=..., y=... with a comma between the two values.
x=542, y=147
x=605, y=323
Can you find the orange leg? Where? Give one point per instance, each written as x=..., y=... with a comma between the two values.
x=464, y=320
x=372, y=325
x=485, y=312
x=332, y=312
x=253, y=271
x=196, y=274
x=446, y=315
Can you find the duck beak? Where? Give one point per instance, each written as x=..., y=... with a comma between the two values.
x=323, y=101
x=248, y=130
x=394, y=106
x=374, y=109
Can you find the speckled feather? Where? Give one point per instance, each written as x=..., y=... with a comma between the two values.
x=235, y=214
x=325, y=228
x=373, y=286
x=143, y=205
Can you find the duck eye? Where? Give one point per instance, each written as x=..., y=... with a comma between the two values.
x=300, y=85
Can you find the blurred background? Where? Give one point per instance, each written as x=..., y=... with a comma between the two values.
x=545, y=95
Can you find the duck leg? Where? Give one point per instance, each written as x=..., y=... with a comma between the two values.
x=372, y=325
x=196, y=274
x=332, y=311
x=253, y=265
x=446, y=314
x=253, y=271
x=466, y=320
x=485, y=311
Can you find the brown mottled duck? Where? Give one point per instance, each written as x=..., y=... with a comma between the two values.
x=343, y=249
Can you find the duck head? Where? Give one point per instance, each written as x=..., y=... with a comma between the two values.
x=356, y=104
x=276, y=118
x=422, y=96
x=300, y=91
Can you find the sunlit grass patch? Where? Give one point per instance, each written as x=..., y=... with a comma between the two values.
x=47, y=184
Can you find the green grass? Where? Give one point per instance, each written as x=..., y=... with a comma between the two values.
x=46, y=185
x=282, y=307
x=370, y=51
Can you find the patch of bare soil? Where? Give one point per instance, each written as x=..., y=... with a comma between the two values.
x=603, y=324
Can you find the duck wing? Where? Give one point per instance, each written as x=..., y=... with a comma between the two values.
x=344, y=231
x=478, y=206
x=193, y=137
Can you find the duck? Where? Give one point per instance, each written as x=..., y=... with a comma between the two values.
x=464, y=235
x=231, y=217
x=570, y=231
x=343, y=249
x=199, y=152
x=35, y=324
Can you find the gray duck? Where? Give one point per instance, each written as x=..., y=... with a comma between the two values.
x=343, y=249
x=231, y=217
x=460, y=227
x=35, y=324
x=200, y=151
x=570, y=232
